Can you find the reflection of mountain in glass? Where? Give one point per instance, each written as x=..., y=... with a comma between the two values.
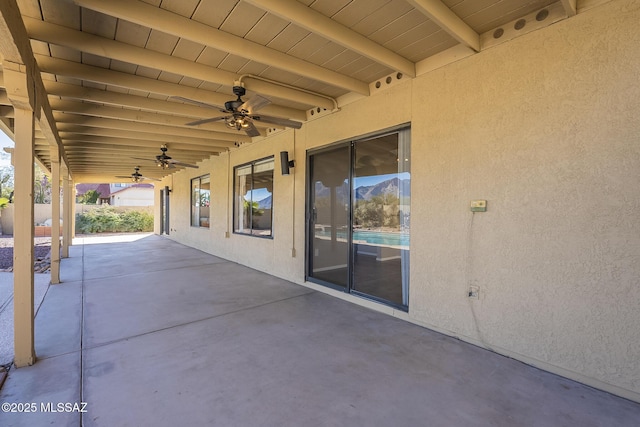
x=394, y=186
x=265, y=203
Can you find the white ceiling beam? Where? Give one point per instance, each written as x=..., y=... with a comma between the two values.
x=4, y=99
x=316, y=22
x=76, y=70
x=66, y=129
x=446, y=19
x=130, y=142
x=87, y=150
x=171, y=23
x=570, y=7
x=107, y=48
x=85, y=108
x=132, y=101
x=65, y=120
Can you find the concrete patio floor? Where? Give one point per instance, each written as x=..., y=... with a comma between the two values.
x=153, y=333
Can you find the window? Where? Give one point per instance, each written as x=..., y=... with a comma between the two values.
x=253, y=202
x=200, y=197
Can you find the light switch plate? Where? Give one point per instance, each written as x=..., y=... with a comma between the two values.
x=478, y=206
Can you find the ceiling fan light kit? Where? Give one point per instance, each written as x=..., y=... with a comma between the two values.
x=137, y=177
x=164, y=161
x=240, y=114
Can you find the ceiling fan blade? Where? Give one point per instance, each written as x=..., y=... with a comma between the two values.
x=177, y=163
x=278, y=121
x=254, y=104
x=251, y=130
x=194, y=102
x=203, y=121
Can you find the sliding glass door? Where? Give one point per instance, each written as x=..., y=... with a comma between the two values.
x=380, y=239
x=359, y=217
x=329, y=217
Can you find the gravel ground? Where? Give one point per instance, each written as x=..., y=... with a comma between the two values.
x=42, y=248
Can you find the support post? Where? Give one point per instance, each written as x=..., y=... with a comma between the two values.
x=55, y=215
x=23, y=233
x=67, y=223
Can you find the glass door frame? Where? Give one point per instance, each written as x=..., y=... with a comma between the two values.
x=310, y=222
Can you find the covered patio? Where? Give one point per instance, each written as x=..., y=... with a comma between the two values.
x=337, y=183
x=151, y=332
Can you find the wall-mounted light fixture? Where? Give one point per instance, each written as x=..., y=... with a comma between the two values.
x=285, y=163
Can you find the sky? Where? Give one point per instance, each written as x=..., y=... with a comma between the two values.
x=5, y=141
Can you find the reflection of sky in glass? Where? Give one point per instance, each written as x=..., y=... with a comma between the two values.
x=257, y=194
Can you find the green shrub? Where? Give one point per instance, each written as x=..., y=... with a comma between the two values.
x=107, y=220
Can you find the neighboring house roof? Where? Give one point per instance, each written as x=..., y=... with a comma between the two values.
x=103, y=189
x=150, y=186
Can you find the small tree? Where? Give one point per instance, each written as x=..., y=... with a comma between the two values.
x=6, y=181
x=41, y=187
x=90, y=197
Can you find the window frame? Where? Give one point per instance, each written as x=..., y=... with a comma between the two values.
x=196, y=209
x=235, y=212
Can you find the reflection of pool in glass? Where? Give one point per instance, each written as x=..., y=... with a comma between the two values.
x=376, y=238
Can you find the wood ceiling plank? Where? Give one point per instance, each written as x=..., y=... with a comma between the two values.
x=214, y=13
x=212, y=57
x=308, y=46
x=320, y=24
x=186, y=49
x=96, y=61
x=242, y=19
x=437, y=42
x=130, y=101
x=266, y=29
x=379, y=18
x=328, y=7
x=357, y=10
x=162, y=42
x=80, y=71
x=222, y=140
x=30, y=8
x=132, y=34
x=64, y=119
x=449, y=21
x=124, y=52
x=98, y=24
x=61, y=13
x=151, y=17
x=181, y=7
x=288, y=38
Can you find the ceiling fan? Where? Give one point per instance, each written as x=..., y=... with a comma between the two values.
x=165, y=162
x=241, y=115
x=136, y=176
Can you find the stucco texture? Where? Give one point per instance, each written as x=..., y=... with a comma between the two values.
x=546, y=128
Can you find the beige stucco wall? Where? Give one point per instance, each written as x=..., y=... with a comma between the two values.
x=546, y=128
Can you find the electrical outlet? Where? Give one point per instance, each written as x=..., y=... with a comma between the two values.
x=474, y=292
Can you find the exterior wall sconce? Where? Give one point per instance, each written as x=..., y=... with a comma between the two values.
x=285, y=163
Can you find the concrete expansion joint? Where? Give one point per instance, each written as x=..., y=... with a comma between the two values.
x=178, y=325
